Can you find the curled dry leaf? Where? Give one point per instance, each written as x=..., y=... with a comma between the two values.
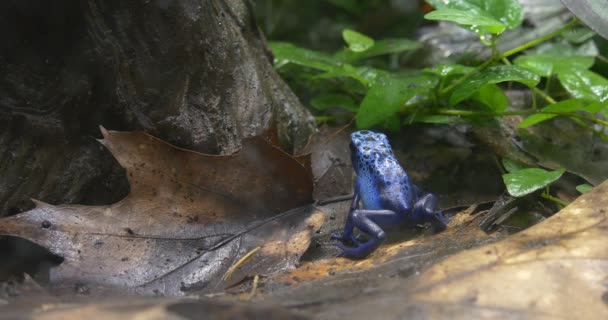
x=187, y=219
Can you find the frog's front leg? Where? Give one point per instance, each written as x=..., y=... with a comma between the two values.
x=347, y=233
x=368, y=222
x=426, y=210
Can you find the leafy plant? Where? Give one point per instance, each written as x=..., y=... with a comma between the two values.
x=356, y=82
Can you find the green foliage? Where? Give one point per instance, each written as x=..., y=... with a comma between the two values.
x=359, y=79
x=510, y=165
x=546, y=65
x=584, y=188
x=492, y=75
x=585, y=84
x=562, y=107
x=380, y=47
x=525, y=181
x=365, y=78
x=481, y=16
x=468, y=18
x=333, y=100
x=391, y=95
x=357, y=42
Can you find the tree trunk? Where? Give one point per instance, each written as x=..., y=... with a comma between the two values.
x=196, y=73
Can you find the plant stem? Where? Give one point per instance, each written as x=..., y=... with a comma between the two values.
x=544, y=95
x=507, y=54
x=540, y=40
x=465, y=113
x=554, y=199
x=466, y=76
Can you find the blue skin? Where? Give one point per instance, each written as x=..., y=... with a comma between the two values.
x=387, y=195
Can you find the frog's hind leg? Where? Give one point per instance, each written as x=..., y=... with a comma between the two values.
x=368, y=222
x=426, y=210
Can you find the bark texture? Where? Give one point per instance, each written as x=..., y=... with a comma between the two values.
x=196, y=73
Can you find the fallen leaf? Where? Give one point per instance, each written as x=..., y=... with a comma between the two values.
x=187, y=219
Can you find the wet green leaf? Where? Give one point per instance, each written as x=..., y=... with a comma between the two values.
x=357, y=42
x=562, y=106
x=468, y=18
x=525, y=181
x=585, y=84
x=493, y=75
x=511, y=165
x=288, y=53
x=492, y=97
x=390, y=95
x=333, y=100
x=380, y=47
x=545, y=65
x=584, y=188
x=444, y=70
x=508, y=12
x=578, y=34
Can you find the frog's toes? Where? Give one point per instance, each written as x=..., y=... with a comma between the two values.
x=343, y=249
x=335, y=236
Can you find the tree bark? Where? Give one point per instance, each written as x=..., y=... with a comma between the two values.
x=196, y=73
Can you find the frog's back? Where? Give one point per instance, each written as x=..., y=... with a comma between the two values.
x=382, y=181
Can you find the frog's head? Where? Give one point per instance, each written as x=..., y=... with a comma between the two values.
x=367, y=146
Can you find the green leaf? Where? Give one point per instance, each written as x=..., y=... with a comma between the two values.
x=507, y=12
x=511, y=166
x=562, y=106
x=545, y=65
x=445, y=70
x=380, y=47
x=561, y=49
x=333, y=100
x=288, y=53
x=493, y=75
x=585, y=84
x=492, y=97
x=525, y=181
x=578, y=34
x=468, y=18
x=357, y=42
x=390, y=95
x=584, y=188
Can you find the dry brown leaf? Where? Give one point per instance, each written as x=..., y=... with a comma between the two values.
x=188, y=218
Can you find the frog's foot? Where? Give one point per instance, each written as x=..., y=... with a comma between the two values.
x=425, y=210
x=438, y=221
x=359, y=252
x=366, y=221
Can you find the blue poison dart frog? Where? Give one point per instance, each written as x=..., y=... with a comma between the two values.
x=387, y=196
